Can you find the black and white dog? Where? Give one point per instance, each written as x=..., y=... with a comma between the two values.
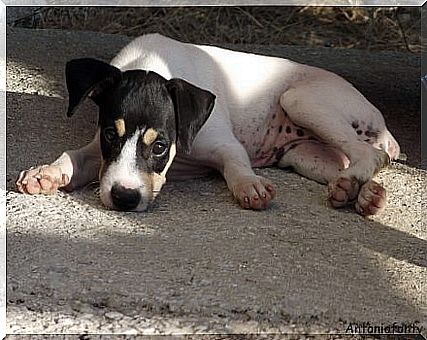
x=216, y=108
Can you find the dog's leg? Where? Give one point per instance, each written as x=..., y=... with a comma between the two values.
x=329, y=112
x=73, y=169
x=314, y=160
x=220, y=149
x=324, y=164
x=250, y=190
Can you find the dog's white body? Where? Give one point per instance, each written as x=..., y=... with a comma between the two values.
x=251, y=90
x=247, y=86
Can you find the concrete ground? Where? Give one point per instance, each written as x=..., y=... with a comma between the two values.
x=197, y=263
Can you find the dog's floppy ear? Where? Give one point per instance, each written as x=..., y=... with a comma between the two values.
x=88, y=77
x=193, y=106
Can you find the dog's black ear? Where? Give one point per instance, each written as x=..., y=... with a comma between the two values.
x=88, y=77
x=193, y=107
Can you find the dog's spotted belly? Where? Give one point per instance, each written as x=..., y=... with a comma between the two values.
x=277, y=135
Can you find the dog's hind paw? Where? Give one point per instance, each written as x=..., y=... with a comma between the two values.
x=371, y=200
x=342, y=191
x=254, y=192
x=45, y=179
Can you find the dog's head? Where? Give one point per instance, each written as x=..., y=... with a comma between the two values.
x=143, y=120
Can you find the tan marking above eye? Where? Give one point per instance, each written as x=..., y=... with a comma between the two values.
x=120, y=126
x=150, y=136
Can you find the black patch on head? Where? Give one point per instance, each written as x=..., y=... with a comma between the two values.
x=355, y=124
x=359, y=132
x=142, y=100
x=176, y=109
x=300, y=133
x=288, y=129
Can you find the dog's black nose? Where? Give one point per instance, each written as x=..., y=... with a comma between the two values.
x=125, y=198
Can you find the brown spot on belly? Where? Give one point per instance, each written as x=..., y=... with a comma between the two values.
x=371, y=133
x=280, y=135
x=279, y=153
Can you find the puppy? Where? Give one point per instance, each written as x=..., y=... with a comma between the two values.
x=158, y=114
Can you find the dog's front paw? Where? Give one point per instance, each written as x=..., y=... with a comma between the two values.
x=342, y=191
x=45, y=179
x=254, y=192
x=371, y=199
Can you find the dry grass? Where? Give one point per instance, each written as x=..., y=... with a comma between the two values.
x=382, y=28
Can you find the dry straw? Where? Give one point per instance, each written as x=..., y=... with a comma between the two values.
x=380, y=28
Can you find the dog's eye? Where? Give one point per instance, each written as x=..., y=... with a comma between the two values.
x=110, y=134
x=159, y=148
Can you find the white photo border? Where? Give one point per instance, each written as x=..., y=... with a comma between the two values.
x=164, y=3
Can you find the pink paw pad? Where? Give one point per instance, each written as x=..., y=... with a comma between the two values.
x=371, y=200
x=342, y=191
